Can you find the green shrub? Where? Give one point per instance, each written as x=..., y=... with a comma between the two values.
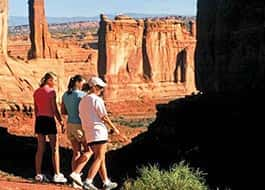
x=133, y=123
x=179, y=177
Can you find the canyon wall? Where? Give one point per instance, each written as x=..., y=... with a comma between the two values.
x=146, y=58
x=230, y=52
x=3, y=27
x=41, y=42
x=169, y=52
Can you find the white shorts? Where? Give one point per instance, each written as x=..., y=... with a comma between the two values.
x=95, y=133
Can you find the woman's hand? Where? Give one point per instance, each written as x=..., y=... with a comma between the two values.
x=117, y=131
x=114, y=129
x=62, y=126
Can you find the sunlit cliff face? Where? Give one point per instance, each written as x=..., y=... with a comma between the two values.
x=3, y=26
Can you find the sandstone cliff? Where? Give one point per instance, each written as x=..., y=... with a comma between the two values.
x=230, y=52
x=152, y=58
x=18, y=80
x=3, y=26
x=120, y=49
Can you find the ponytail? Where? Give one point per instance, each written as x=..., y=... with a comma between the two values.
x=72, y=81
x=46, y=77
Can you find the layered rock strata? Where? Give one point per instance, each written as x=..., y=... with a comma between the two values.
x=152, y=58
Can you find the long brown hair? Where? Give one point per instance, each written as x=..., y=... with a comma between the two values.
x=46, y=77
x=72, y=81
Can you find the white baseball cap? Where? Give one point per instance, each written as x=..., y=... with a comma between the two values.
x=96, y=81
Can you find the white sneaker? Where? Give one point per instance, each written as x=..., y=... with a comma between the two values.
x=76, y=186
x=41, y=178
x=59, y=178
x=76, y=177
x=110, y=185
x=89, y=186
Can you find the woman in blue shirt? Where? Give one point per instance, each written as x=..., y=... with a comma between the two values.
x=75, y=133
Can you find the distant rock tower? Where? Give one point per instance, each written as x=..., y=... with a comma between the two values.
x=41, y=43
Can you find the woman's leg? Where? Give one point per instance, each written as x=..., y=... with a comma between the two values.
x=39, y=153
x=99, y=151
x=76, y=148
x=103, y=171
x=54, y=143
x=79, y=159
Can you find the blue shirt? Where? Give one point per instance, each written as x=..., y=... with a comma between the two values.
x=71, y=103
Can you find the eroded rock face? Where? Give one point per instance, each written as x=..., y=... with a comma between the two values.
x=167, y=48
x=152, y=58
x=18, y=80
x=120, y=49
x=230, y=52
x=41, y=42
x=3, y=26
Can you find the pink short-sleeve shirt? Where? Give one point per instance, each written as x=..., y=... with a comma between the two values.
x=43, y=97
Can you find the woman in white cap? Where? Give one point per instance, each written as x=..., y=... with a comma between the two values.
x=94, y=116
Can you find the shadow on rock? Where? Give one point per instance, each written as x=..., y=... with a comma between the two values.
x=18, y=155
x=218, y=133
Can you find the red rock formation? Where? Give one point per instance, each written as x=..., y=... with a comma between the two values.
x=18, y=79
x=18, y=49
x=41, y=42
x=3, y=26
x=120, y=49
x=152, y=58
x=67, y=50
x=166, y=51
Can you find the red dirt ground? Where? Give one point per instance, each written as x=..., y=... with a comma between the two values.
x=27, y=185
x=9, y=182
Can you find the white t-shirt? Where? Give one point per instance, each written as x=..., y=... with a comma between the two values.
x=91, y=110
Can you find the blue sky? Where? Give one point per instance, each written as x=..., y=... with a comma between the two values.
x=72, y=8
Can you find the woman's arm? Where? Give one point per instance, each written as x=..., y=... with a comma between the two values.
x=56, y=112
x=63, y=108
x=35, y=108
x=107, y=120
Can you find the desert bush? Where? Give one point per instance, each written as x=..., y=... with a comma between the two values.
x=179, y=177
x=133, y=123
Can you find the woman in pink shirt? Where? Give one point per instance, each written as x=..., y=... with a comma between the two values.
x=45, y=125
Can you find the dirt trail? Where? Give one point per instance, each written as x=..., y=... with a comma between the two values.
x=27, y=185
